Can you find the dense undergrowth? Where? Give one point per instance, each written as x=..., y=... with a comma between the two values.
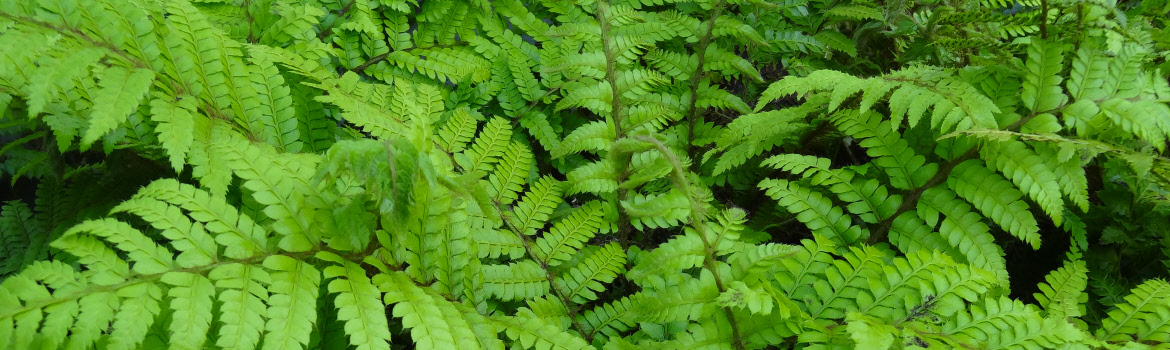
x=617, y=174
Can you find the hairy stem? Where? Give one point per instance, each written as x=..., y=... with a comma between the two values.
x=621, y=160
x=698, y=221
x=692, y=113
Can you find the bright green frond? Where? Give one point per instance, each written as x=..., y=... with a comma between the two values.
x=1028, y=172
x=581, y=283
x=1141, y=317
x=434, y=322
x=814, y=210
x=1042, y=91
x=533, y=210
x=359, y=303
x=568, y=235
x=1062, y=294
x=996, y=198
x=520, y=280
x=119, y=93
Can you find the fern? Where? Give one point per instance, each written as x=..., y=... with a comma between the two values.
x=595, y=174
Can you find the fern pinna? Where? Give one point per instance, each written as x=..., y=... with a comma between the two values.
x=548, y=174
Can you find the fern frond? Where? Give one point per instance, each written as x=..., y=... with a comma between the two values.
x=1141, y=317
x=890, y=151
x=996, y=198
x=242, y=299
x=609, y=319
x=1087, y=74
x=1028, y=172
x=963, y=230
x=1140, y=119
x=678, y=254
x=175, y=119
x=192, y=307
x=682, y=298
x=795, y=41
x=581, y=283
x=533, y=210
x=292, y=304
x=904, y=276
x=845, y=279
x=1062, y=294
x=754, y=134
x=956, y=104
x=595, y=177
x=358, y=303
x=495, y=243
x=459, y=129
x=868, y=199
x=24, y=238
x=120, y=92
x=814, y=210
x=1003, y=323
x=487, y=149
x=196, y=245
x=595, y=137
x=1042, y=91
x=529, y=332
x=568, y=235
x=238, y=232
x=709, y=96
x=517, y=281
x=511, y=174
x=433, y=321
x=910, y=233
x=855, y=12
x=270, y=110
x=657, y=210
x=796, y=274
x=281, y=189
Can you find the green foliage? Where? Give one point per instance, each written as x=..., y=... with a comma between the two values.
x=610, y=174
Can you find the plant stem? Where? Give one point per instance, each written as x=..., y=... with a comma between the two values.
x=621, y=160
x=698, y=221
x=692, y=112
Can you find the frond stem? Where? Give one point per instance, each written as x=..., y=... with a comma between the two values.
x=621, y=159
x=701, y=51
x=698, y=220
x=379, y=58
